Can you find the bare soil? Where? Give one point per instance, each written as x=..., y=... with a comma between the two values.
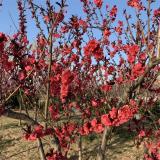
x=14, y=147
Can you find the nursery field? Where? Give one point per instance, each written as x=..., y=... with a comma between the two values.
x=14, y=147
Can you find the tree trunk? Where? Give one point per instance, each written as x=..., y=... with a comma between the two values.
x=102, y=149
x=20, y=109
x=80, y=148
x=41, y=149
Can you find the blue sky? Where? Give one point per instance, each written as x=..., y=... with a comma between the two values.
x=9, y=14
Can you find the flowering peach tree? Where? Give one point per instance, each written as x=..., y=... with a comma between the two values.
x=95, y=74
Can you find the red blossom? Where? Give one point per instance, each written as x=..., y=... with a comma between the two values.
x=107, y=33
x=56, y=35
x=98, y=128
x=21, y=75
x=132, y=51
x=137, y=69
x=86, y=129
x=113, y=11
x=141, y=134
x=116, y=117
x=67, y=77
x=93, y=48
x=111, y=69
x=105, y=120
x=28, y=68
x=98, y=3
x=46, y=19
x=125, y=113
x=142, y=56
x=64, y=91
x=36, y=133
x=113, y=113
x=94, y=103
x=135, y=4
x=71, y=128
x=3, y=39
x=94, y=122
x=83, y=24
x=54, y=113
x=157, y=13
x=106, y=88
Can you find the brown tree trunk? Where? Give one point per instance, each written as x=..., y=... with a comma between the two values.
x=102, y=149
x=41, y=149
x=80, y=148
x=20, y=109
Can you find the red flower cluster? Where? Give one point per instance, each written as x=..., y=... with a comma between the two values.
x=142, y=56
x=41, y=41
x=157, y=13
x=106, y=88
x=98, y=3
x=118, y=29
x=2, y=37
x=93, y=48
x=96, y=127
x=132, y=51
x=137, y=70
x=38, y=132
x=117, y=117
x=66, y=50
x=106, y=33
x=2, y=40
x=66, y=79
x=54, y=112
x=83, y=24
x=65, y=134
x=55, y=80
x=153, y=150
x=86, y=129
x=111, y=69
x=113, y=12
x=94, y=103
x=135, y=4
x=59, y=17
x=84, y=1
x=93, y=126
x=22, y=75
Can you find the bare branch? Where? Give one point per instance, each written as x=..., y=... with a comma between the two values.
x=16, y=115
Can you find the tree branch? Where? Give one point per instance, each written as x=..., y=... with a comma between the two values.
x=16, y=115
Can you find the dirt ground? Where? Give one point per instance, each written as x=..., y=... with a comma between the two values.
x=14, y=147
